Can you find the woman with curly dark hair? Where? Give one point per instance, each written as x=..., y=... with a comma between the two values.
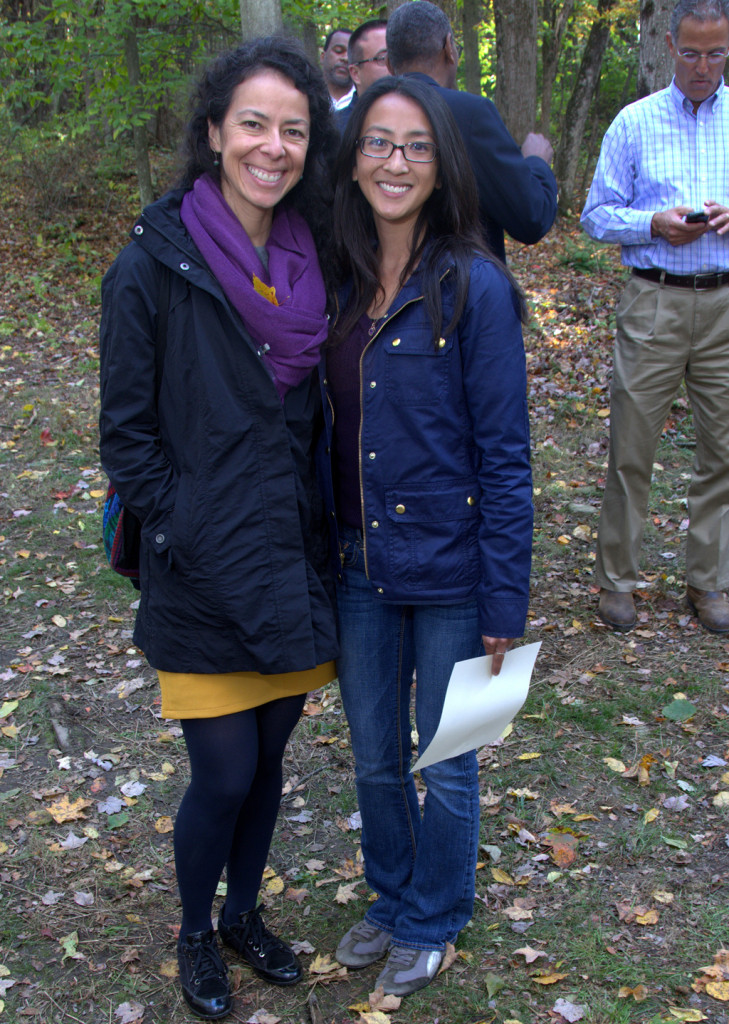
x=212, y=324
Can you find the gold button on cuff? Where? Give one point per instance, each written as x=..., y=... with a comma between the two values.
x=470, y=500
x=399, y=509
x=396, y=342
x=441, y=342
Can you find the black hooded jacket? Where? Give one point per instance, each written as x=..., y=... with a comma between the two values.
x=234, y=562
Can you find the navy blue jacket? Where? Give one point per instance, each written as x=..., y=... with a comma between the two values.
x=234, y=562
x=516, y=194
x=445, y=472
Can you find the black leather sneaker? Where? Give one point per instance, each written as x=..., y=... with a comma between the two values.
x=204, y=976
x=268, y=955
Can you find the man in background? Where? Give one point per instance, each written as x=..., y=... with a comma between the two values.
x=367, y=55
x=661, y=190
x=335, y=65
x=516, y=188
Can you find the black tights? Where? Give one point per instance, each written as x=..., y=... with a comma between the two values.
x=228, y=813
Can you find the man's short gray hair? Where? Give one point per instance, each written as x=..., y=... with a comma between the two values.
x=702, y=10
x=416, y=33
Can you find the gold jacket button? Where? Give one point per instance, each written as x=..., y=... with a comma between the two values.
x=374, y=524
x=441, y=343
x=380, y=590
x=396, y=342
x=399, y=509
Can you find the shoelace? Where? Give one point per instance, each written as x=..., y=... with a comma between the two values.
x=253, y=930
x=366, y=931
x=400, y=956
x=207, y=963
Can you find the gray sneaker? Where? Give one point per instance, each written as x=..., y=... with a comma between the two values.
x=407, y=970
x=362, y=945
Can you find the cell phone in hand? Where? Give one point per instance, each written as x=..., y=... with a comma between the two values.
x=696, y=217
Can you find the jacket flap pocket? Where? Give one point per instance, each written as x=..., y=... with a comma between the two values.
x=432, y=502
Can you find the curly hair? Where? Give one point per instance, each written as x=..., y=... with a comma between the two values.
x=312, y=196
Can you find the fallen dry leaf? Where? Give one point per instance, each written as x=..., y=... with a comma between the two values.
x=570, y=1011
x=562, y=847
x=688, y=1015
x=521, y=909
x=379, y=1001
x=129, y=1013
x=548, y=979
x=449, y=957
x=66, y=810
x=346, y=893
x=169, y=969
x=529, y=954
x=639, y=993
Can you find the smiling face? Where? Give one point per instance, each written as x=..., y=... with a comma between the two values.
x=396, y=188
x=262, y=141
x=699, y=80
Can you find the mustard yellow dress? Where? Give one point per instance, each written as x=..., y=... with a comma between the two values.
x=200, y=695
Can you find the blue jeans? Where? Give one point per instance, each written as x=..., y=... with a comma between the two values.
x=422, y=868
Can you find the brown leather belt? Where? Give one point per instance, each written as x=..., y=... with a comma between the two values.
x=697, y=282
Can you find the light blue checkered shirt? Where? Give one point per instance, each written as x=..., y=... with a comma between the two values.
x=657, y=155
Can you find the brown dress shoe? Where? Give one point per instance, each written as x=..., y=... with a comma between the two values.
x=711, y=608
x=617, y=610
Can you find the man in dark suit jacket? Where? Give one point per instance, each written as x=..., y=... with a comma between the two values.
x=516, y=187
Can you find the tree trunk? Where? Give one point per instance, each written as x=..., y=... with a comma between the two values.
x=655, y=65
x=471, y=17
x=516, y=65
x=260, y=18
x=393, y=5
x=568, y=151
x=555, y=22
x=139, y=132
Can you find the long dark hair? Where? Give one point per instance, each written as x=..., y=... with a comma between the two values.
x=312, y=196
x=447, y=233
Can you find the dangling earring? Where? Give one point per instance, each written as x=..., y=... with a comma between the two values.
x=216, y=159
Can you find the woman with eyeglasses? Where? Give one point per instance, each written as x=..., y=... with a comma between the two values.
x=427, y=385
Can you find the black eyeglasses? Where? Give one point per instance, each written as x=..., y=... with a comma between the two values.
x=381, y=149
x=379, y=59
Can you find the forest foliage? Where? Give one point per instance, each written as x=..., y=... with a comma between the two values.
x=68, y=66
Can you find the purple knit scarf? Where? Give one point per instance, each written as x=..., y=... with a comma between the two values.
x=283, y=307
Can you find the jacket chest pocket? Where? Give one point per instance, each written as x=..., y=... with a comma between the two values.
x=416, y=370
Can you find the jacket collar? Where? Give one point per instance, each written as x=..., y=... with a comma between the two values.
x=160, y=231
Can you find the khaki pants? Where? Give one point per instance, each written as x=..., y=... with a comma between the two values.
x=666, y=335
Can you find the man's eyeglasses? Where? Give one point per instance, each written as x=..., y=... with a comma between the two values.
x=381, y=149
x=379, y=59
x=714, y=58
